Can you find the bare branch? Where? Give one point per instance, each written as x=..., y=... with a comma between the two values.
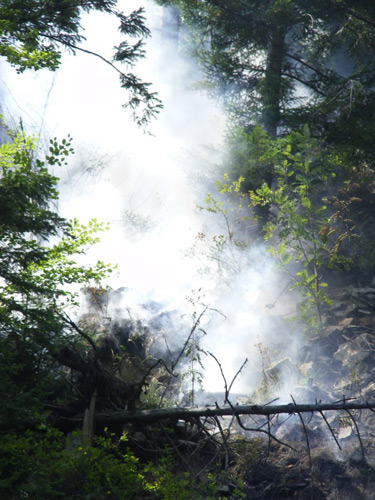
x=305, y=432
x=358, y=433
x=238, y=372
x=258, y=429
x=78, y=330
x=331, y=430
x=186, y=343
x=226, y=388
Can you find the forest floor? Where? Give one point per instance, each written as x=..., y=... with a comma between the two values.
x=332, y=459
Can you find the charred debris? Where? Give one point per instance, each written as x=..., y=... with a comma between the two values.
x=130, y=379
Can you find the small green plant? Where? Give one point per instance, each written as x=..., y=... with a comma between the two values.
x=306, y=225
x=154, y=396
x=250, y=157
x=193, y=352
x=307, y=228
x=230, y=206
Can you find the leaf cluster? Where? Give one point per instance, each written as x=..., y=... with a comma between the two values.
x=38, y=252
x=33, y=33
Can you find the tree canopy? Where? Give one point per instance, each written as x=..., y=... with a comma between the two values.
x=283, y=63
x=34, y=32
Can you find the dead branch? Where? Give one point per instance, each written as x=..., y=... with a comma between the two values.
x=305, y=432
x=262, y=431
x=216, y=411
x=226, y=388
x=78, y=330
x=186, y=343
x=331, y=430
x=358, y=433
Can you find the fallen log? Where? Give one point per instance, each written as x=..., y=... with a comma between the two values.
x=216, y=411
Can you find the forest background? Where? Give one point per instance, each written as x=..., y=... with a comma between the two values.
x=296, y=81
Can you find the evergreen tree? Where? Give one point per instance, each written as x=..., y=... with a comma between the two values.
x=284, y=63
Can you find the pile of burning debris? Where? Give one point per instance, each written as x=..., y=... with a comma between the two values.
x=305, y=454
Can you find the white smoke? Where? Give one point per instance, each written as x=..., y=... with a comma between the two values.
x=146, y=187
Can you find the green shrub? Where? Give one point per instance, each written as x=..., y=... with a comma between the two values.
x=42, y=465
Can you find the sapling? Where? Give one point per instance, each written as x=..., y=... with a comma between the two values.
x=304, y=229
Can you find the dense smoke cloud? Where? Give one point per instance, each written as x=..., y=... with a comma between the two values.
x=148, y=188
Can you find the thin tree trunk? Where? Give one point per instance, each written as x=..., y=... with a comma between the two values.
x=271, y=90
x=171, y=25
x=89, y=422
x=271, y=95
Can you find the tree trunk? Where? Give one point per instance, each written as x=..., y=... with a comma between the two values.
x=89, y=422
x=271, y=89
x=271, y=96
x=170, y=25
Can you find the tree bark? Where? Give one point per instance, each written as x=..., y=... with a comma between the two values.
x=89, y=421
x=271, y=89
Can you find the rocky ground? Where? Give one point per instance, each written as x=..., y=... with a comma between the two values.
x=333, y=457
